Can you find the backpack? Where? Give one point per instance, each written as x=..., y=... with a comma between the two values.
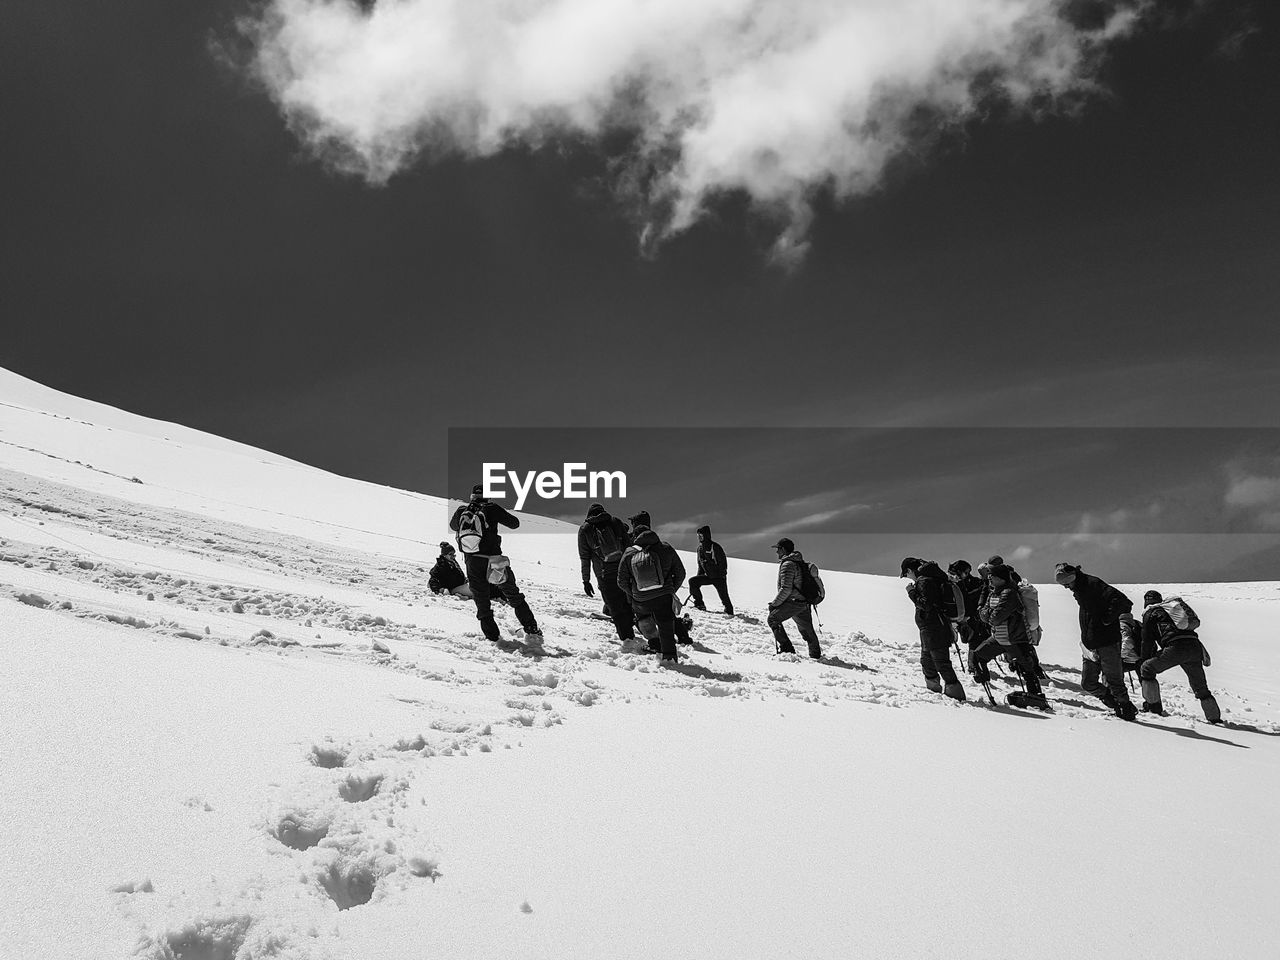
x=1180, y=612
x=607, y=543
x=646, y=569
x=471, y=529
x=953, y=602
x=810, y=585
x=1030, y=605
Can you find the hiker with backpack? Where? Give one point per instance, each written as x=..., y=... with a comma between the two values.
x=1169, y=640
x=970, y=627
x=798, y=591
x=645, y=623
x=1005, y=614
x=602, y=538
x=1031, y=609
x=446, y=576
x=713, y=570
x=928, y=592
x=649, y=575
x=476, y=524
x=1101, y=606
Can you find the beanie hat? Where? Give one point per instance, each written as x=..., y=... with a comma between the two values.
x=994, y=559
x=1003, y=571
x=477, y=490
x=595, y=510
x=786, y=544
x=1152, y=596
x=1065, y=573
x=446, y=546
x=641, y=519
x=959, y=566
x=910, y=563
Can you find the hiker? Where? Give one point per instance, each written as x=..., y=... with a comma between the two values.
x=1169, y=639
x=649, y=575
x=601, y=540
x=446, y=576
x=476, y=524
x=713, y=570
x=1101, y=606
x=926, y=593
x=1003, y=612
x=790, y=603
x=1033, y=637
x=971, y=629
x=645, y=623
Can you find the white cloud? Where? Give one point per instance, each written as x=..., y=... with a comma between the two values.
x=774, y=98
x=1250, y=490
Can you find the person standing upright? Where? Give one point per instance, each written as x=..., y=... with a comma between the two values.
x=602, y=538
x=926, y=593
x=713, y=570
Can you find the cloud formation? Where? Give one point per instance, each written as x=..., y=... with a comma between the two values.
x=694, y=99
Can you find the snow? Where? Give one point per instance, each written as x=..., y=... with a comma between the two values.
x=236, y=725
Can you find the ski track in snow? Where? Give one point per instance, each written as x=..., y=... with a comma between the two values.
x=194, y=579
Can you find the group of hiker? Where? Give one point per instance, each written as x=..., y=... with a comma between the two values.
x=995, y=613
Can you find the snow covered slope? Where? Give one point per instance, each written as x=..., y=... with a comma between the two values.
x=237, y=725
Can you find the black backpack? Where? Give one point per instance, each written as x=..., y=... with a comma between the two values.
x=809, y=587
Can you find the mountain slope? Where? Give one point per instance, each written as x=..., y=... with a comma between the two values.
x=197, y=712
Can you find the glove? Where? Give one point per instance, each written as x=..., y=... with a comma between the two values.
x=590, y=590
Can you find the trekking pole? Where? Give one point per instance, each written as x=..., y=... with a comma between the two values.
x=996, y=661
x=814, y=611
x=986, y=685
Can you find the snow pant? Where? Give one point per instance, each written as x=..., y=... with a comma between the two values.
x=935, y=662
x=802, y=614
x=1188, y=654
x=478, y=580
x=616, y=602
x=722, y=588
x=462, y=590
x=1110, y=668
x=664, y=615
x=1021, y=655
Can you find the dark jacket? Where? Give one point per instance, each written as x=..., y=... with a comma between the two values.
x=1004, y=613
x=972, y=588
x=789, y=580
x=711, y=559
x=446, y=574
x=1100, y=607
x=1159, y=630
x=931, y=615
x=668, y=561
x=490, y=540
x=601, y=540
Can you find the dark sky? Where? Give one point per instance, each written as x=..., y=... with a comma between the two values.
x=170, y=248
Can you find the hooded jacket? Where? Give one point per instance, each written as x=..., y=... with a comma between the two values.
x=446, y=574
x=931, y=614
x=601, y=540
x=1100, y=607
x=669, y=563
x=712, y=562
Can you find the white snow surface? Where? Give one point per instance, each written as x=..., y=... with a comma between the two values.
x=206, y=757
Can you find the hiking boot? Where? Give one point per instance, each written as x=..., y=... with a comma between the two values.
x=955, y=691
x=699, y=605
x=728, y=611
x=934, y=685
x=1127, y=711
x=1157, y=708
